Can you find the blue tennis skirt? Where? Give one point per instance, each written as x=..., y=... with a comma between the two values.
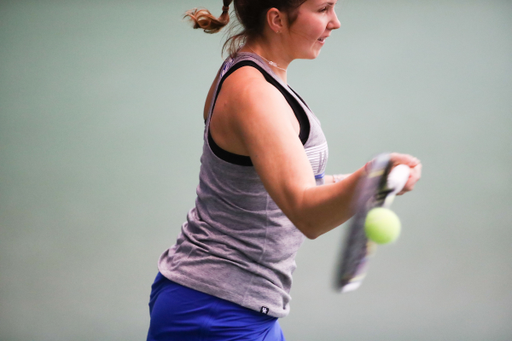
x=180, y=313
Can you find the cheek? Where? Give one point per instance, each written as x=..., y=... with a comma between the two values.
x=308, y=30
x=304, y=36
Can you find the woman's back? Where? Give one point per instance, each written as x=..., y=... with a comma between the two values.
x=237, y=244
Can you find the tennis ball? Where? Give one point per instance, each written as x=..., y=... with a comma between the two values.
x=382, y=225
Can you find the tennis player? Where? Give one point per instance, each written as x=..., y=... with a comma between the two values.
x=262, y=186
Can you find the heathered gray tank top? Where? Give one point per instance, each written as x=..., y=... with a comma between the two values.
x=236, y=243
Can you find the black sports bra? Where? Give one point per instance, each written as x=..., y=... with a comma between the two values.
x=300, y=114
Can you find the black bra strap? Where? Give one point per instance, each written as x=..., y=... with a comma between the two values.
x=298, y=110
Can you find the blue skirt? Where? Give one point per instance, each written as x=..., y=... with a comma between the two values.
x=180, y=313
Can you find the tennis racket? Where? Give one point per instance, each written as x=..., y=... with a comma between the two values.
x=377, y=189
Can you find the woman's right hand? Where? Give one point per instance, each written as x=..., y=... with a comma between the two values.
x=415, y=166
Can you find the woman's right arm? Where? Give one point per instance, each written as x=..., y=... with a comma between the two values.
x=253, y=118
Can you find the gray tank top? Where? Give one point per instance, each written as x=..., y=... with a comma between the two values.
x=236, y=243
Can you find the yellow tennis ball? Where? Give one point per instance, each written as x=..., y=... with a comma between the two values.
x=382, y=225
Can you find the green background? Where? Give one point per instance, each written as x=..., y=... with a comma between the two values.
x=101, y=134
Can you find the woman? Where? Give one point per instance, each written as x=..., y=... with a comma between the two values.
x=262, y=183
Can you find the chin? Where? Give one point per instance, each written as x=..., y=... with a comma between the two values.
x=313, y=54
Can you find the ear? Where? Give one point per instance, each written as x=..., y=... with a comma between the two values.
x=276, y=20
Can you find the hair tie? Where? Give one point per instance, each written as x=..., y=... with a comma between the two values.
x=225, y=9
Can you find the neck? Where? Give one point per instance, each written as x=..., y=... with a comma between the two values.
x=271, y=55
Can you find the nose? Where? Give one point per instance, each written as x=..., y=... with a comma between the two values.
x=334, y=24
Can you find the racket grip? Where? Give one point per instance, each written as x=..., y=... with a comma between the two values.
x=397, y=178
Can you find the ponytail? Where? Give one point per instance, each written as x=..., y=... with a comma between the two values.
x=250, y=15
x=203, y=19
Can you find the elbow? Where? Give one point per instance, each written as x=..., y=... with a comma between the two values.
x=309, y=230
x=313, y=228
x=312, y=236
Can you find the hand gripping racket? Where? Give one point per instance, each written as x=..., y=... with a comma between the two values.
x=377, y=189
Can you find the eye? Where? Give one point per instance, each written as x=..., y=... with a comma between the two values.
x=326, y=8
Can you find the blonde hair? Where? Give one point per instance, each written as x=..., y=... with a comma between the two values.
x=203, y=19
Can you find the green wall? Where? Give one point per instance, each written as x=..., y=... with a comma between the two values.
x=101, y=133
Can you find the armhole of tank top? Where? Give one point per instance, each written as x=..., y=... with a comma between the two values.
x=298, y=110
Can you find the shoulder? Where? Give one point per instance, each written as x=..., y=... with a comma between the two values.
x=244, y=78
x=238, y=88
x=247, y=86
